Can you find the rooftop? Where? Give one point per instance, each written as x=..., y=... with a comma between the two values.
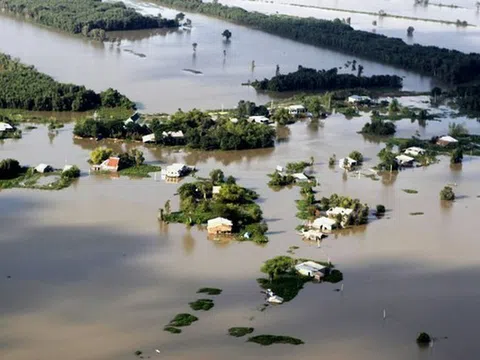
x=310, y=266
x=112, y=162
x=219, y=221
x=324, y=221
x=448, y=138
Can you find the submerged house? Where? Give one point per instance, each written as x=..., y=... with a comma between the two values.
x=324, y=224
x=43, y=168
x=335, y=211
x=150, y=138
x=414, y=151
x=404, y=160
x=311, y=269
x=132, y=119
x=357, y=99
x=219, y=226
x=296, y=109
x=111, y=164
x=4, y=127
x=173, y=134
x=177, y=170
x=347, y=163
x=446, y=140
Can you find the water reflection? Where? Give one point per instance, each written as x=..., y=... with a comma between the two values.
x=188, y=242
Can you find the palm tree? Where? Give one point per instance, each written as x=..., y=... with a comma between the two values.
x=227, y=34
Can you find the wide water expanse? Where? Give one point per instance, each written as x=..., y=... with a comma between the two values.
x=157, y=81
x=94, y=276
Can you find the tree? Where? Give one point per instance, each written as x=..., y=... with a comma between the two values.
x=360, y=70
x=72, y=173
x=282, y=116
x=356, y=155
x=179, y=17
x=394, y=106
x=277, y=266
x=447, y=194
x=314, y=105
x=410, y=31
x=457, y=156
x=9, y=169
x=217, y=176
x=332, y=160
x=194, y=46
x=138, y=156
x=457, y=130
x=227, y=34
x=423, y=339
x=100, y=154
x=277, y=70
x=380, y=209
x=167, y=207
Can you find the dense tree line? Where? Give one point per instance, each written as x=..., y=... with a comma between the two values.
x=306, y=79
x=450, y=66
x=199, y=131
x=23, y=87
x=87, y=17
x=468, y=98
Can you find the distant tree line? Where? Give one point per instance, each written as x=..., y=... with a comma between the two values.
x=306, y=79
x=88, y=17
x=23, y=87
x=451, y=66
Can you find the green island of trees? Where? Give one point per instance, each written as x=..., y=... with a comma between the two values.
x=379, y=127
x=239, y=331
x=198, y=204
x=310, y=208
x=23, y=87
x=286, y=282
x=13, y=175
x=447, y=194
x=131, y=163
x=280, y=179
x=306, y=79
x=90, y=18
x=451, y=66
x=202, y=304
x=198, y=131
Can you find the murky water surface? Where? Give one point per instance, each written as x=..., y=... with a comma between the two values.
x=93, y=275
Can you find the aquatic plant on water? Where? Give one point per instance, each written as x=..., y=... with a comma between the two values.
x=209, y=291
x=275, y=339
x=201, y=304
x=240, y=331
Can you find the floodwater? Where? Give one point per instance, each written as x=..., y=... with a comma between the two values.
x=157, y=81
x=426, y=32
x=94, y=275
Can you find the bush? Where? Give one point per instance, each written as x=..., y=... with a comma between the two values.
x=9, y=169
x=172, y=329
x=357, y=156
x=447, y=194
x=209, y=291
x=72, y=173
x=380, y=209
x=201, y=304
x=423, y=339
x=240, y=331
x=275, y=339
x=379, y=127
x=182, y=320
x=457, y=156
x=100, y=154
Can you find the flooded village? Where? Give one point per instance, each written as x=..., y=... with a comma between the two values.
x=150, y=240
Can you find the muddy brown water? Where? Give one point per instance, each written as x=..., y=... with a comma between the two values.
x=94, y=275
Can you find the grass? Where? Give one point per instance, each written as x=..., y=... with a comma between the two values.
x=274, y=339
x=140, y=171
x=182, y=320
x=410, y=191
x=172, y=329
x=201, y=304
x=240, y=331
x=209, y=291
x=416, y=213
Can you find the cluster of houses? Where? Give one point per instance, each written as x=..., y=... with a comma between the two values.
x=330, y=222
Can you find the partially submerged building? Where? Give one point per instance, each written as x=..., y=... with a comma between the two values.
x=414, y=151
x=219, y=226
x=311, y=269
x=296, y=109
x=404, y=160
x=258, y=119
x=111, y=164
x=324, y=224
x=148, y=139
x=347, y=163
x=446, y=140
x=177, y=170
x=357, y=99
x=43, y=168
x=335, y=211
x=4, y=127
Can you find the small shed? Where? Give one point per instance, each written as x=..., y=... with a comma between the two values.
x=324, y=223
x=6, y=127
x=296, y=109
x=43, y=168
x=216, y=190
x=150, y=138
x=404, y=160
x=111, y=164
x=311, y=269
x=219, y=225
x=446, y=140
x=347, y=163
x=414, y=151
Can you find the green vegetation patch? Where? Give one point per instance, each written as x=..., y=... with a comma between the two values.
x=274, y=339
x=306, y=79
x=423, y=339
x=209, y=291
x=90, y=18
x=182, y=320
x=240, y=331
x=23, y=87
x=172, y=329
x=201, y=304
x=143, y=170
x=410, y=191
x=198, y=204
